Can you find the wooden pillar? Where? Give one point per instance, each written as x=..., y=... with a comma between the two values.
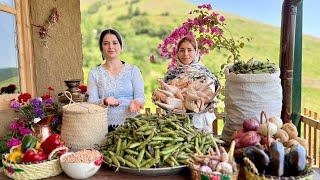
x=297, y=69
x=287, y=39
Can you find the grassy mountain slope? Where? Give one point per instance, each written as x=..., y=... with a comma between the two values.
x=144, y=23
x=7, y=73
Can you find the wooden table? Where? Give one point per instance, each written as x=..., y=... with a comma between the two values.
x=108, y=174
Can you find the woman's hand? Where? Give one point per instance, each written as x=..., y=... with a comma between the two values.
x=111, y=101
x=135, y=106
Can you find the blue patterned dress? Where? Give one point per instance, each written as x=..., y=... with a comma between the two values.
x=125, y=86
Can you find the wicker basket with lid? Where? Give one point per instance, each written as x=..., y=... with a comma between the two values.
x=83, y=125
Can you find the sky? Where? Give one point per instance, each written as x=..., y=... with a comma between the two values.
x=269, y=11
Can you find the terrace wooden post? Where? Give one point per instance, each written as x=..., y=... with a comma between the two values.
x=287, y=39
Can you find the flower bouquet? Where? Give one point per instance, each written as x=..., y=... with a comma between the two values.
x=30, y=112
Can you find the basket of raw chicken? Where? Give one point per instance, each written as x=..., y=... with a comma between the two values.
x=186, y=94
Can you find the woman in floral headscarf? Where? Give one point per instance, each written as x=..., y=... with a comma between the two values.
x=188, y=63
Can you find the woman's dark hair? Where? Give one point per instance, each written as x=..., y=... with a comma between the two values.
x=109, y=31
x=189, y=39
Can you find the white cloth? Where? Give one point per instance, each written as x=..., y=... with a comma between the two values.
x=203, y=121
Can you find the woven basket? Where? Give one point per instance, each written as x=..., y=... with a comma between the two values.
x=40, y=170
x=251, y=173
x=200, y=175
x=252, y=176
x=83, y=125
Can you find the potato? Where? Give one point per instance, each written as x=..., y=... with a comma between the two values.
x=282, y=135
x=290, y=143
x=291, y=129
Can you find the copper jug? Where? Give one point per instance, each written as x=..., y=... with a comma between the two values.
x=43, y=128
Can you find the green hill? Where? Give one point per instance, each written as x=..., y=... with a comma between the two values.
x=7, y=73
x=144, y=23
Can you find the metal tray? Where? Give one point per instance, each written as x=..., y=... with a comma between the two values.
x=150, y=171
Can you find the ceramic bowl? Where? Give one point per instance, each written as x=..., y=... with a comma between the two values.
x=79, y=170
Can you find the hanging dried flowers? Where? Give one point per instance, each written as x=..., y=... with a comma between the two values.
x=44, y=29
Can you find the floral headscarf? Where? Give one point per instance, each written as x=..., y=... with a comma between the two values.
x=195, y=69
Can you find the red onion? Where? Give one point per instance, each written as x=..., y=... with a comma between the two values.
x=238, y=134
x=250, y=124
x=250, y=138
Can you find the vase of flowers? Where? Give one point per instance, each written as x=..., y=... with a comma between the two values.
x=31, y=114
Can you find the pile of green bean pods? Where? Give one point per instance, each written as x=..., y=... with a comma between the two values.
x=153, y=141
x=253, y=67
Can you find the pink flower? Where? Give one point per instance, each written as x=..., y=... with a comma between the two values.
x=214, y=14
x=205, y=6
x=13, y=142
x=216, y=30
x=25, y=131
x=14, y=125
x=221, y=18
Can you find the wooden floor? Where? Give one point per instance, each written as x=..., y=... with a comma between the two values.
x=108, y=174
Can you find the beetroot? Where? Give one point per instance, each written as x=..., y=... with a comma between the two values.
x=250, y=124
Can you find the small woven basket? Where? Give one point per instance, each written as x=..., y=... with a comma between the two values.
x=251, y=173
x=200, y=175
x=39, y=170
x=84, y=125
x=252, y=176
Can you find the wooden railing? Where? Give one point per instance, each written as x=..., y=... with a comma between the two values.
x=310, y=124
x=216, y=123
